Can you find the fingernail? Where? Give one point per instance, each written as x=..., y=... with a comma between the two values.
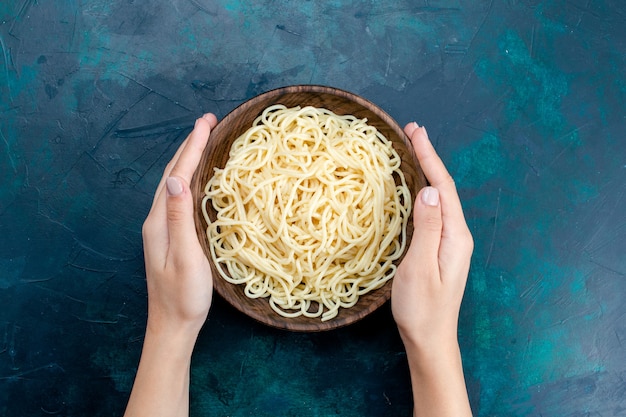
x=205, y=116
x=196, y=124
x=416, y=125
x=430, y=196
x=174, y=186
x=424, y=128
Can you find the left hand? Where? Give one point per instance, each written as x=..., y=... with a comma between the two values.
x=180, y=285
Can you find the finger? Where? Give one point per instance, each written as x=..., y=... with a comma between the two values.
x=212, y=120
x=410, y=128
x=438, y=177
x=191, y=154
x=159, y=193
x=427, y=227
x=456, y=240
x=155, y=228
x=431, y=164
x=180, y=222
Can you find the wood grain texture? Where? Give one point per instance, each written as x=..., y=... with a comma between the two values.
x=216, y=155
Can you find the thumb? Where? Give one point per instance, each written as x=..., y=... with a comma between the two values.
x=427, y=226
x=180, y=224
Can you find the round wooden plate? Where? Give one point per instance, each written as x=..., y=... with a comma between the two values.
x=216, y=155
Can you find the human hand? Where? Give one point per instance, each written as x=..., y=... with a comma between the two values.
x=178, y=273
x=428, y=288
x=180, y=286
x=429, y=283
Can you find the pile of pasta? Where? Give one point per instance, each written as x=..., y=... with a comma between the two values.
x=308, y=211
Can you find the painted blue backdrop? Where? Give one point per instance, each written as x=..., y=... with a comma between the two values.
x=524, y=99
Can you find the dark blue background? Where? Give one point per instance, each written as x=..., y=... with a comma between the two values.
x=524, y=100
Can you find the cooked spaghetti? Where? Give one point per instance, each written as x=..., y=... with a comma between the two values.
x=308, y=211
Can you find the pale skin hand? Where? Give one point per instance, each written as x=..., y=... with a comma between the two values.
x=426, y=295
x=428, y=289
x=179, y=286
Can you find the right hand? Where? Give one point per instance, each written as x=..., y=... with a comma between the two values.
x=429, y=283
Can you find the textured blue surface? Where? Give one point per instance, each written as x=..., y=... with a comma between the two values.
x=525, y=101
